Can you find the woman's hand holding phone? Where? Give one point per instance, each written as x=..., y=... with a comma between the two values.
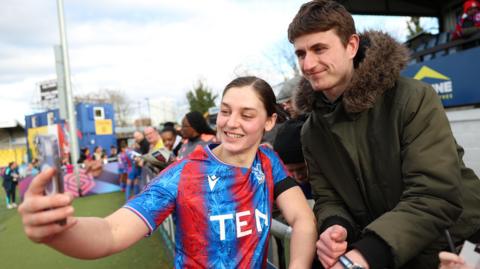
x=41, y=214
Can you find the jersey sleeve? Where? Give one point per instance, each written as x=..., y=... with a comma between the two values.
x=281, y=180
x=157, y=201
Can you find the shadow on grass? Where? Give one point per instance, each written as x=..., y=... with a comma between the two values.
x=16, y=251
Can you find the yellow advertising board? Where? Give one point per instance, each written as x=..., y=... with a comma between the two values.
x=103, y=127
x=12, y=155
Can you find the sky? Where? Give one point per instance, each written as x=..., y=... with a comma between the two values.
x=147, y=48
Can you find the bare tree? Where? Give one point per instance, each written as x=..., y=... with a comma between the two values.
x=283, y=59
x=142, y=122
x=117, y=98
x=414, y=27
x=242, y=70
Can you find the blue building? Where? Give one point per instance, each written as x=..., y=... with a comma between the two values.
x=95, y=124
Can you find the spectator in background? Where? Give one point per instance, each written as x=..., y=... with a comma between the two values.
x=143, y=145
x=124, y=165
x=140, y=147
x=137, y=178
x=178, y=138
x=156, y=159
x=98, y=153
x=135, y=173
x=153, y=138
x=33, y=168
x=469, y=22
x=195, y=132
x=285, y=96
x=287, y=110
x=113, y=156
x=10, y=181
x=92, y=167
x=289, y=148
x=84, y=155
x=169, y=136
x=66, y=164
x=35, y=164
x=269, y=136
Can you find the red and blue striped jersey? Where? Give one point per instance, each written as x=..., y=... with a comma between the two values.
x=222, y=212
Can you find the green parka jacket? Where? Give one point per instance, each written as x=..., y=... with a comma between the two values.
x=385, y=159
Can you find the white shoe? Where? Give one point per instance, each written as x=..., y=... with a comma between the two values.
x=9, y=206
x=14, y=205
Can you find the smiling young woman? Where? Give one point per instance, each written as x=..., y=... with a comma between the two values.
x=221, y=194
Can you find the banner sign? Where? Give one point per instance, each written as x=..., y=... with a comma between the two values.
x=48, y=90
x=103, y=127
x=454, y=77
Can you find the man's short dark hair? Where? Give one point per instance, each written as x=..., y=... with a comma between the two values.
x=321, y=16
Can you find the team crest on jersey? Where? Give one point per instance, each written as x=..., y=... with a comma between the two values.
x=258, y=173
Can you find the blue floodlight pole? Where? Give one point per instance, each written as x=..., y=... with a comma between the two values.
x=71, y=117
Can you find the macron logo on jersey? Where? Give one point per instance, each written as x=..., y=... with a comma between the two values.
x=212, y=180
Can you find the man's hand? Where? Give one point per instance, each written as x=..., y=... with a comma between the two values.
x=331, y=244
x=40, y=213
x=450, y=260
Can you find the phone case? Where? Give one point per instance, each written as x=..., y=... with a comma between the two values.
x=49, y=156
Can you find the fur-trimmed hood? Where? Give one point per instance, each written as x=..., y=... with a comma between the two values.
x=377, y=66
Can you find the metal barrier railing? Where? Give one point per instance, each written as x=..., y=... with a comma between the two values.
x=418, y=56
x=283, y=233
x=280, y=230
x=167, y=231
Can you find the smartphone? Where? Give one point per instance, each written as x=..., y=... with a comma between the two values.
x=49, y=157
